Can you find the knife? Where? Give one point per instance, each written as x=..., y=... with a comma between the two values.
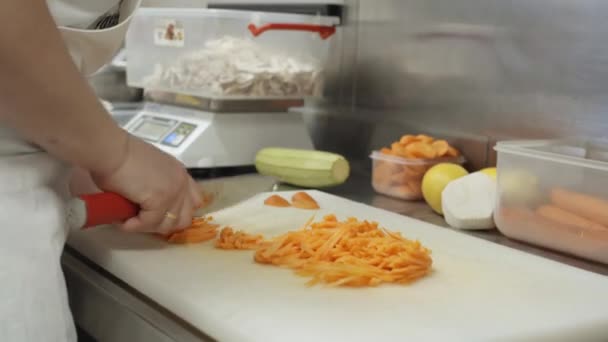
x=104, y=208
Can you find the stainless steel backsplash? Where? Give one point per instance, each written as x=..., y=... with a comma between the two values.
x=471, y=70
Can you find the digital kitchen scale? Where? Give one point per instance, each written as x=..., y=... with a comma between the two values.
x=203, y=139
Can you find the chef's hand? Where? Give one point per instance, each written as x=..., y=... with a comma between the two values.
x=165, y=192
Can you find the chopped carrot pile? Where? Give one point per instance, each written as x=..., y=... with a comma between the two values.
x=420, y=147
x=337, y=253
x=201, y=230
x=347, y=253
x=276, y=201
x=229, y=239
x=303, y=200
x=404, y=179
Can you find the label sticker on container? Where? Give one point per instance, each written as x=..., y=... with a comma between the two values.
x=169, y=33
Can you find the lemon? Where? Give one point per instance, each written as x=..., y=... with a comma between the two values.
x=436, y=179
x=519, y=187
x=490, y=171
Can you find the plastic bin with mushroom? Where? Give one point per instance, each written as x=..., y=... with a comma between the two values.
x=230, y=67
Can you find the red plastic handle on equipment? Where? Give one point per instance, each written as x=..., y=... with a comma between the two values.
x=324, y=31
x=106, y=208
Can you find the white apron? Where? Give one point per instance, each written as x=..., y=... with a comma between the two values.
x=33, y=190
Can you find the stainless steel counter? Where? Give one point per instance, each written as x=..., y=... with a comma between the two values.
x=358, y=188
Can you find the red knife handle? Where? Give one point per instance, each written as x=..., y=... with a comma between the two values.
x=323, y=31
x=107, y=208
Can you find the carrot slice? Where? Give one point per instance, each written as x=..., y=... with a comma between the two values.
x=276, y=201
x=441, y=147
x=398, y=149
x=424, y=138
x=303, y=200
x=421, y=150
x=229, y=239
x=386, y=150
x=452, y=152
x=406, y=139
x=420, y=147
x=383, y=172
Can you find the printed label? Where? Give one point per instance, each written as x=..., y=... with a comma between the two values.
x=169, y=33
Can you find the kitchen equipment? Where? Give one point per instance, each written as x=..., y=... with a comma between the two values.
x=110, y=83
x=105, y=208
x=478, y=291
x=221, y=82
x=402, y=177
x=532, y=177
x=203, y=139
x=229, y=54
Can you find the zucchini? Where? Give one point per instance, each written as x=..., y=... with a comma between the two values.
x=304, y=168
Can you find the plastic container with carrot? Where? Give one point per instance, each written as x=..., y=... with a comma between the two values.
x=397, y=171
x=554, y=193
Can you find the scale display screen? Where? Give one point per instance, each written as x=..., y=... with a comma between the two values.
x=153, y=130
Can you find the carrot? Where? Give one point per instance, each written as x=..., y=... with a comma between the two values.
x=424, y=138
x=201, y=230
x=421, y=149
x=441, y=147
x=452, y=152
x=406, y=139
x=415, y=187
x=229, y=239
x=206, y=199
x=398, y=149
x=559, y=215
x=398, y=178
x=383, y=171
x=303, y=200
x=415, y=171
x=589, y=207
x=386, y=150
x=347, y=253
x=276, y=201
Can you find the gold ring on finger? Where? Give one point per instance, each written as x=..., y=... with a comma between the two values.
x=170, y=215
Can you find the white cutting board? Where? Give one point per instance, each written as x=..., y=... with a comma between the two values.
x=479, y=291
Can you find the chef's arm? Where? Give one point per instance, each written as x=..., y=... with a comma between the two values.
x=44, y=97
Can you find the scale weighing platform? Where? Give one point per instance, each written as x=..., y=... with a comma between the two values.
x=204, y=139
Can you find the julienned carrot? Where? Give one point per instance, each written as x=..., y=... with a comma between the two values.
x=347, y=253
x=337, y=253
x=201, y=230
x=229, y=239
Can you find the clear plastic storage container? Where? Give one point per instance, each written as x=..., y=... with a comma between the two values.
x=554, y=193
x=228, y=54
x=402, y=177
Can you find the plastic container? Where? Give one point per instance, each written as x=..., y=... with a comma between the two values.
x=402, y=177
x=229, y=54
x=554, y=193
